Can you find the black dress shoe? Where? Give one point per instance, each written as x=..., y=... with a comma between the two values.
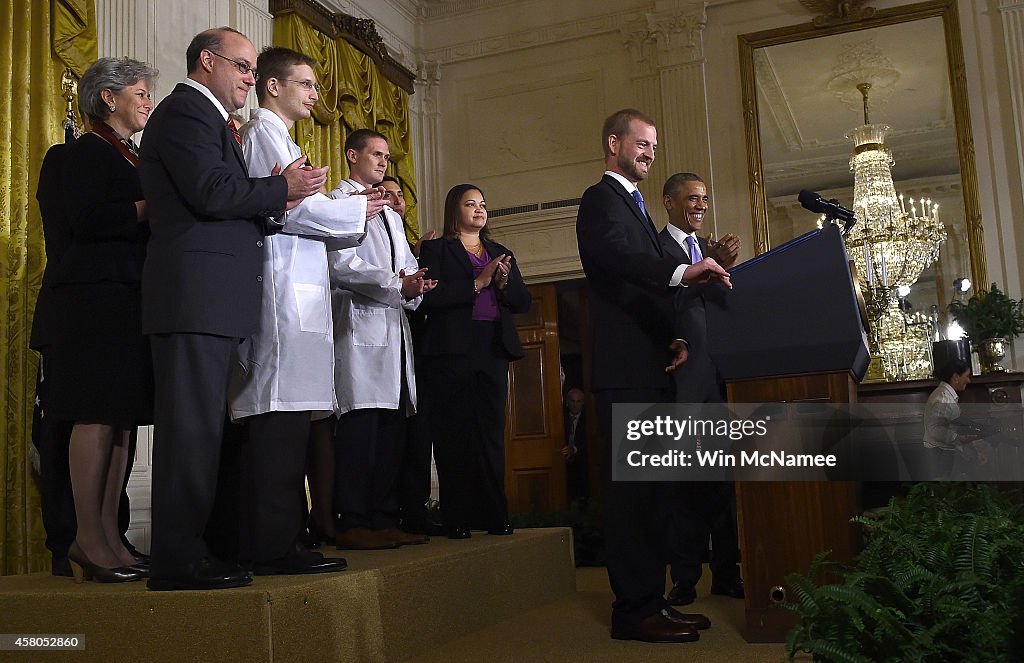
x=694, y=620
x=459, y=533
x=299, y=562
x=732, y=589
x=654, y=628
x=504, y=529
x=207, y=573
x=682, y=594
x=419, y=526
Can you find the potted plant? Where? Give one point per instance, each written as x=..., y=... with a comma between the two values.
x=991, y=319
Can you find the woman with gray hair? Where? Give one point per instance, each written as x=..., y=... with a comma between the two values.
x=100, y=371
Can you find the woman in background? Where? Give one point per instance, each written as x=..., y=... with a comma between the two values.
x=942, y=409
x=469, y=337
x=101, y=368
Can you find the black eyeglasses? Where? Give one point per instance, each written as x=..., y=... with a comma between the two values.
x=309, y=85
x=243, y=68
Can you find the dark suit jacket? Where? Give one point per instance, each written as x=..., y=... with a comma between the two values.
x=57, y=239
x=99, y=188
x=449, y=307
x=697, y=380
x=628, y=275
x=207, y=218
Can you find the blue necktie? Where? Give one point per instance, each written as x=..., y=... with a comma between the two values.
x=639, y=201
x=695, y=255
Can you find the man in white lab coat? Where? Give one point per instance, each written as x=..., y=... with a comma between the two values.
x=374, y=375
x=285, y=369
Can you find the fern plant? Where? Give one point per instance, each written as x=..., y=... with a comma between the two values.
x=941, y=578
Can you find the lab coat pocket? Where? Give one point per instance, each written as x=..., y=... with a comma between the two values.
x=369, y=327
x=313, y=307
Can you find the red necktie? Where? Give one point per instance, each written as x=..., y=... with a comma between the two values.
x=234, y=132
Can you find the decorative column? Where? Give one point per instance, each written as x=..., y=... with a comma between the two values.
x=1012, y=14
x=639, y=42
x=669, y=83
x=251, y=18
x=126, y=28
x=677, y=28
x=424, y=109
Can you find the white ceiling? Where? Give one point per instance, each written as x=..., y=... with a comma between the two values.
x=808, y=103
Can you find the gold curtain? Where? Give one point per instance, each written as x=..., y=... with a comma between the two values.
x=31, y=111
x=353, y=95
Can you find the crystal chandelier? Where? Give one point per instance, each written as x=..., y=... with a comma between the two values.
x=893, y=241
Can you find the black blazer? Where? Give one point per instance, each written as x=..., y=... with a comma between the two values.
x=99, y=189
x=628, y=276
x=448, y=308
x=57, y=239
x=208, y=220
x=697, y=380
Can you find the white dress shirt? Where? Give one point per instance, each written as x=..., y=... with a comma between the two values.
x=680, y=236
x=942, y=408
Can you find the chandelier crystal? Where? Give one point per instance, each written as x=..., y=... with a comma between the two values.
x=893, y=242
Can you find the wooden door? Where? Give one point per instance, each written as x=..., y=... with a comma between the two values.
x=535, y=469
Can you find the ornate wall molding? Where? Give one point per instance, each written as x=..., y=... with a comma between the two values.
x=1012, y=14
x=534, y=37
x=360, y=32
x=544, y=243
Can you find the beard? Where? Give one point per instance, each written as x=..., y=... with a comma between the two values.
x=631, y=168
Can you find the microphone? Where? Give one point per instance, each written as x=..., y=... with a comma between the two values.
x=830, y=208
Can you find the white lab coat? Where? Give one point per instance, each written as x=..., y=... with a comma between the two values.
x=287, y=364
x=371, y=332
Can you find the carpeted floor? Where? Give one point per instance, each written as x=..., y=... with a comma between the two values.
x=576, y=629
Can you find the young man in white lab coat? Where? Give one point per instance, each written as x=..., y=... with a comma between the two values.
x=374, y=374
x=285, y=369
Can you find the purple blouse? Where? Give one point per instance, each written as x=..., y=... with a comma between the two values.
x=486, y=305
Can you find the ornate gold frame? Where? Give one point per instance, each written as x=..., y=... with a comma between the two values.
x=947, y=10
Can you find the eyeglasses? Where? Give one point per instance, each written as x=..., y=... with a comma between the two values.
x=309, y=85
x=243, y=68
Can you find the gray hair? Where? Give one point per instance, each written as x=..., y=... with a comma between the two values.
x=112, y=74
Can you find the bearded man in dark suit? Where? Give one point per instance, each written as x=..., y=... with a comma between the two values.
x=201, y=290
x=631, y=281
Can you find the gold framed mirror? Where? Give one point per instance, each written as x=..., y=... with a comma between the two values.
x=800, y=104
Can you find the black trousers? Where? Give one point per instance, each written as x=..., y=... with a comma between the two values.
x=191, y=374
x=273, y=495
x=637, y=516
x=414, y=480
x=703, y=510
x=466, y=406
x=368, y=455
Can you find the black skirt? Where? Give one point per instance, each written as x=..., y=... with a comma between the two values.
x=99, y=367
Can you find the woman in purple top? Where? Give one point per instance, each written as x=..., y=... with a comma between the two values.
x=468, y=339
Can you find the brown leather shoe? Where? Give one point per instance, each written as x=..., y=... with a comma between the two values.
x=363, y=538
x=655, y=628
x=694, y=620
x=405, y=538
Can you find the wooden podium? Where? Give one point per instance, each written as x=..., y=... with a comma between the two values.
x=790, y=331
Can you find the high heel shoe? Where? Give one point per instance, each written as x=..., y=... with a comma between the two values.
x=84, y=570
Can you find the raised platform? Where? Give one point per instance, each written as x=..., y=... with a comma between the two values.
x=388, y=606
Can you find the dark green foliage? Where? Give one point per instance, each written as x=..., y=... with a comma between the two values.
x=989, y=314
x=941, y=578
